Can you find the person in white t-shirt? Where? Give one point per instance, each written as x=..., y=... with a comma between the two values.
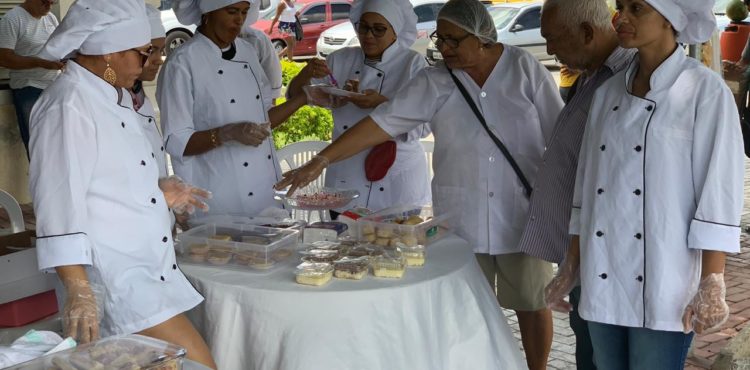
x=23, y=32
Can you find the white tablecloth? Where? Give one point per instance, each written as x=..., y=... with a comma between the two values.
x=441, y=316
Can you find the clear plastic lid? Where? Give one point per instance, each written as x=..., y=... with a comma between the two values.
x=352, y=264
x=313, y=269
x=320, y=255
x=390, y=261
x=415, y=251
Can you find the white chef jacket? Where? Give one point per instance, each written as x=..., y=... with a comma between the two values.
x=147, y=115
x=407, y=181
x=267, y=56
x=98, y=204
x=473, y=180
x=659, y=180
x=198, y=91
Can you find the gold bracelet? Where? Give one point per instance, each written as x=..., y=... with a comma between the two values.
x=214, y=138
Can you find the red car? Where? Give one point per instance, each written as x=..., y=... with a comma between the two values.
x=316, y=16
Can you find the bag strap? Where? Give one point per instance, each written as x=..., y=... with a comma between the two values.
x=498, y=142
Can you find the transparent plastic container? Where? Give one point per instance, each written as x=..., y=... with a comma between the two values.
x=132, y=351
x=237, y=246
x=352, y=268
x=313, y=273
x=320, y=255
x=414, y=256
x=314, y=198
x=403, y=226
x=389, y=265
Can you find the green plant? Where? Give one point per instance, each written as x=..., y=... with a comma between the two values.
x=289, y=70
x=308, y=123
x=737, y=11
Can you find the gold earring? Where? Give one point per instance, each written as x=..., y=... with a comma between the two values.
x=110, y=75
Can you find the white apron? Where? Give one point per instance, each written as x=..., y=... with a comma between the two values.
x=407, y=181
x=98, y=204
x=198, y=91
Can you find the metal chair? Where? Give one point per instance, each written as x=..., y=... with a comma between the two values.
x=14, y=213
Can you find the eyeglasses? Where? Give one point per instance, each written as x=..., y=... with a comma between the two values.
x=145, y=54
x=377, y=31
x=452, y=43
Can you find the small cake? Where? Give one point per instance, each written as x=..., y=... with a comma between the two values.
x=384, y=232
x=413, y=220
x=260, y=263
x=315, y=274
x=320, y=255
x=395, y=242
x=370, y=238
x=220, y=249
x=219, y=258
x=368, y=229
x=415, y=256
x=389, y=266
x=409, y=240
x=221, y=237
x=383, y=242
x=197, y=257
x=351, y=268
x=198, y=252
x=281, y=254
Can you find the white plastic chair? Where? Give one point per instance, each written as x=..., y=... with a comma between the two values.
x=429, y=147
x=14, y=213
x=297, y=154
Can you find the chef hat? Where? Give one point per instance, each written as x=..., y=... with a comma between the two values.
x=154, y=18
x=399, y=13
x=190, y=11
x=471, y=16
x=252, y=14
x=694, y=20
x=97, y=27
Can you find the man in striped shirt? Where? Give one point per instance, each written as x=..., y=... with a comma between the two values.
x=23, y=32
x=580, y=34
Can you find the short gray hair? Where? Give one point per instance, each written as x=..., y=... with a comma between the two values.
x=575, y=12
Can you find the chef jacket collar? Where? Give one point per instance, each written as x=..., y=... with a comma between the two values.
x=98, y=86
x=664, y=75
x=389, y=54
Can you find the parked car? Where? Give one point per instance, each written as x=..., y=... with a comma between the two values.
x=316, y=17
x=517, y=24
x=178, y=33
x=344, y=35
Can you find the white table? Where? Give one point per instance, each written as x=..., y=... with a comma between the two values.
x=441, y=316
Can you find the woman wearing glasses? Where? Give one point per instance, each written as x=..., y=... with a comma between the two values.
x=381, y=66
x=102, y=219
x=217, y=110
x=486, y=190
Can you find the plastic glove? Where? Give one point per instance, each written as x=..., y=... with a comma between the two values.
x=560, y=287
x=246, y=133
x=304, y=175
x=182, y=197
x=81, y=313
x=370, y=99
x=316, y=96
x=316, y=68
x=708, y=309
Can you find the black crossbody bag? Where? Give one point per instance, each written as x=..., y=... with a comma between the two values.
x=498, y=142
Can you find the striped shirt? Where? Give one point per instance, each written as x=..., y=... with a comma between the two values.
x=546, y=233
x=26, y=35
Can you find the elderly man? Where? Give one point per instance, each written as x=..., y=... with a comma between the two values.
x=579, y=33
x=23, y=32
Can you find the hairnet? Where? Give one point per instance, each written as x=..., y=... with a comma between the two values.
x=472, y=16
x=399, y=13
x=190, y=11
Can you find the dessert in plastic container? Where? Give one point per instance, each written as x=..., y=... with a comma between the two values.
x=403, y=225
x=353, y=268
x=237, y=246
x=313, y=273
x=132, y=352
x=315, y=198
x=320, y=255
x=414, y=256
x=389, y=265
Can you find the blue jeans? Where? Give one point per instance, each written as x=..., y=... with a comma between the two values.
x=23, y=100
x=584, y=350
x=625, y=348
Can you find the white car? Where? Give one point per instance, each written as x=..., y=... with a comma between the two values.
x=517, y=24
x=178, y=33
x=343, y=35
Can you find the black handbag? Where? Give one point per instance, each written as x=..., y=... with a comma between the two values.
x=299, y=33
x=498, y=142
